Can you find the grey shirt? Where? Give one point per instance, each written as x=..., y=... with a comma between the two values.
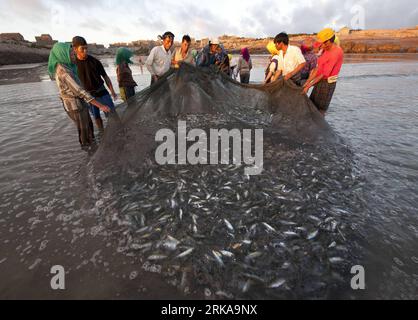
x=159, y=61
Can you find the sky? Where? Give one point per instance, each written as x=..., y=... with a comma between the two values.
x=110, y=21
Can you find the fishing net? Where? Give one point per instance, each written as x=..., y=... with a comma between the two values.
x=212, y=230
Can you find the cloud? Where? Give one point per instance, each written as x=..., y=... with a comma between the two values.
x=109, y=21
x=30, y=10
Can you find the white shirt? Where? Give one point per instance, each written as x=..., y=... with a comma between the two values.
x=291, y=60
x=159, y=61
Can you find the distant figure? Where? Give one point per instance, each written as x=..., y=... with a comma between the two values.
x=245, y=66
x=159, y=60
x=126, y=82
x=234, y=66
x=291, y=60
x=194, y=54
x=141, y=64
x=273, y=65
x=222, y=60
x=324, y=77
x=93, y=76
x=311, y=60
x=183, y=54
x=207, y=56
x=76, y=100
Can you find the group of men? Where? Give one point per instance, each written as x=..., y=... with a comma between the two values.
x=307, y=69
x=93, y=78
x=290, y=62
x=321, y=73
x=161, y=58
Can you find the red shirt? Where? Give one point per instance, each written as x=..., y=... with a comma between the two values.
x=330, y=63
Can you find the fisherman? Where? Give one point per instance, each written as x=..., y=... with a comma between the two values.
x=141, y=64
x=126, y=82
x=222, y=60
x=311, y=60
x=183, y=54
x=93, y=76
x=245, y=66
x=324, y=77
x=75, y=99
x=159, y=60
x=273, y=63
x=291, y=60
x=207, y=56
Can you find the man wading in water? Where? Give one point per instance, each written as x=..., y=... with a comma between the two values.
x=325, y=76
x=159, y=60
x=92, y=73
x=75, y=99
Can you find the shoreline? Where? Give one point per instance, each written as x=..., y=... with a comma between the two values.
x=36, y=72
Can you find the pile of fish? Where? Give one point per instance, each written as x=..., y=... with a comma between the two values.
x=218, y=233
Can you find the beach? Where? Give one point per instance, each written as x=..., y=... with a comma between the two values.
x=49, y=216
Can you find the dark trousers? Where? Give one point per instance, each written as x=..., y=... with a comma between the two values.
x=245, y=78
x=84, y=126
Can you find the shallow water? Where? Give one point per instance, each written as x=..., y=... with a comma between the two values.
x=44, y=189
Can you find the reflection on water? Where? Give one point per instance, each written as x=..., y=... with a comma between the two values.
x=43, y=184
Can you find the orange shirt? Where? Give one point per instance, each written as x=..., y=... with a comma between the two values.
x=330, y=63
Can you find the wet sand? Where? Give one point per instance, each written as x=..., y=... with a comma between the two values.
x=96, y=270
x=14, y=74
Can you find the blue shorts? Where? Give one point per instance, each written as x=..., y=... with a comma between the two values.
x=107, y=101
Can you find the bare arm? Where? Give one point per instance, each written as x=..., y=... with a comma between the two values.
x=81, y=93
x=277, y=75
x=296, y=71
x=313, y=80
x=110, y=86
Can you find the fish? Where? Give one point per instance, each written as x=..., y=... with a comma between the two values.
x=254, y=255
x=157, y=257
x=312, y=235
x=246, y=286
x=277, y=284
x=185, y=253
x=269, y=227
x=229, y=225
x=336, y=260
x=227, y=254
x=136, y=246
x=291, y=234
x=218, y=258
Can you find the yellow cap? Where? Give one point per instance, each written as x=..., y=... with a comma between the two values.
x=325, y=35
x=271, y=47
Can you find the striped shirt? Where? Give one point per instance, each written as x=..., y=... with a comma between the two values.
x=70, y=90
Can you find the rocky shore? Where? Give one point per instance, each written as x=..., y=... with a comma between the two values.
x=20, y=54
x=15, y=50
x=352, y=41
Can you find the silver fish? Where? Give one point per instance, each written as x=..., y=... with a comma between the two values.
x=227, y=253
x=218, y=258
x=156, y=257
x=269, y=227
x=185, y=253
x=254, y=255
x=277, y=284
x=313, y=235
x=229, y=225
x=335, y=260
